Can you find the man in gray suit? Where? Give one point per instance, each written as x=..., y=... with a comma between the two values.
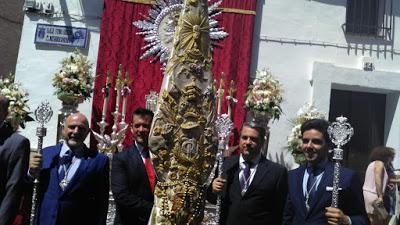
x=14, y=159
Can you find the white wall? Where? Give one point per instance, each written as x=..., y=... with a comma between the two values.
x=290, y=36
x=36, y=64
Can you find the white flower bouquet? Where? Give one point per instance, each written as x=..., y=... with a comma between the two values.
x=18, y=110
x=264, y=96
x=294, y=143
x=74, y=81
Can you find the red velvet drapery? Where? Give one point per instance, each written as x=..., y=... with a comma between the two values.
x=119, y=44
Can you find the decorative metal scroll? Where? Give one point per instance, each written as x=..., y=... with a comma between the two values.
x=340, y=132
x=43, y=114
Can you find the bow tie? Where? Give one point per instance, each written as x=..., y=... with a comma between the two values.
x=66, y=159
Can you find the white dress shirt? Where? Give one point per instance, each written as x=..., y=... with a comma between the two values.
x=76, y=161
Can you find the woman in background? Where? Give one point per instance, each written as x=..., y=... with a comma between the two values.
x=376, y=180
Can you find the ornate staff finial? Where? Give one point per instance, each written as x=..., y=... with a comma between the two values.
x=340, y=133
x=43, y=113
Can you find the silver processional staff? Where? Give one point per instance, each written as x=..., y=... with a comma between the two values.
x=224, y=126
x=43, y=115
x=340, y=132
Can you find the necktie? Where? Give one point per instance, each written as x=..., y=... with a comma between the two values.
x=311, y=183
x=313, y=173
x=244, y=177
x=149, y=168
x=65, y=163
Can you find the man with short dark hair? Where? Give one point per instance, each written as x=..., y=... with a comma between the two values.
x=309, y=198
x=133, y=176
x=74, y=181
x=14, y=158
x=253, y=188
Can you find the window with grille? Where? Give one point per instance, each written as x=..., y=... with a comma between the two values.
x=369, y=17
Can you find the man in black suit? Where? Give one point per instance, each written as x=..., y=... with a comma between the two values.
x=253, y=188
x=132, y=175
x=14, y=159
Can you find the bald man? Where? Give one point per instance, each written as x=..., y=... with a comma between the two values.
x=74, y=181
x=14, y=156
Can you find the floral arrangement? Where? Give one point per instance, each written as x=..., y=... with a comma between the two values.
x=74, y=82
x=264, y=96
x=294, y=143
x=18, y=110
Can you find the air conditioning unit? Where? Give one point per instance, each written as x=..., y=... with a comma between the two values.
x=30, y=5
x=49, y=9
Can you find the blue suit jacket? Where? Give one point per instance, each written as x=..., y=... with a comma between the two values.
x=85, y=199
x=351, y=200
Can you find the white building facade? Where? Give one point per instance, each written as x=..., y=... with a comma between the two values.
x=312, y=49
x=304, y=43
x=37, y=64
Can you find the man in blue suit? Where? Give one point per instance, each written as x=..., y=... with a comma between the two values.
x=310, y=185
x=74, y=181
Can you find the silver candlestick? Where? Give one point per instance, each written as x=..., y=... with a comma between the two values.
x=43, y=115
x=340, y=132
x=109, y=144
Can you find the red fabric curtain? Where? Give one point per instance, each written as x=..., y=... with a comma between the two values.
x=119, y=44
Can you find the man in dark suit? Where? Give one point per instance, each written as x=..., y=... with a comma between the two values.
x=14, y=158
x=132, y=175
x=310, y=185
x=74, y=181
x=253, y=188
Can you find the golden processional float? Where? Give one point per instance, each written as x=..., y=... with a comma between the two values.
x=182, y=138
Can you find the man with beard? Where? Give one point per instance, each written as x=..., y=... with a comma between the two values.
x=74, y=181
x=310, y=185
x=253, y=188
x=14, y=156
x=133, y=176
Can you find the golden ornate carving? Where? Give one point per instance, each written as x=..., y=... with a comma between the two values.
x=182, y=139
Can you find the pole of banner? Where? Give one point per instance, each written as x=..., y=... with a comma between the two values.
x=340, y=132
x=43, y=115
